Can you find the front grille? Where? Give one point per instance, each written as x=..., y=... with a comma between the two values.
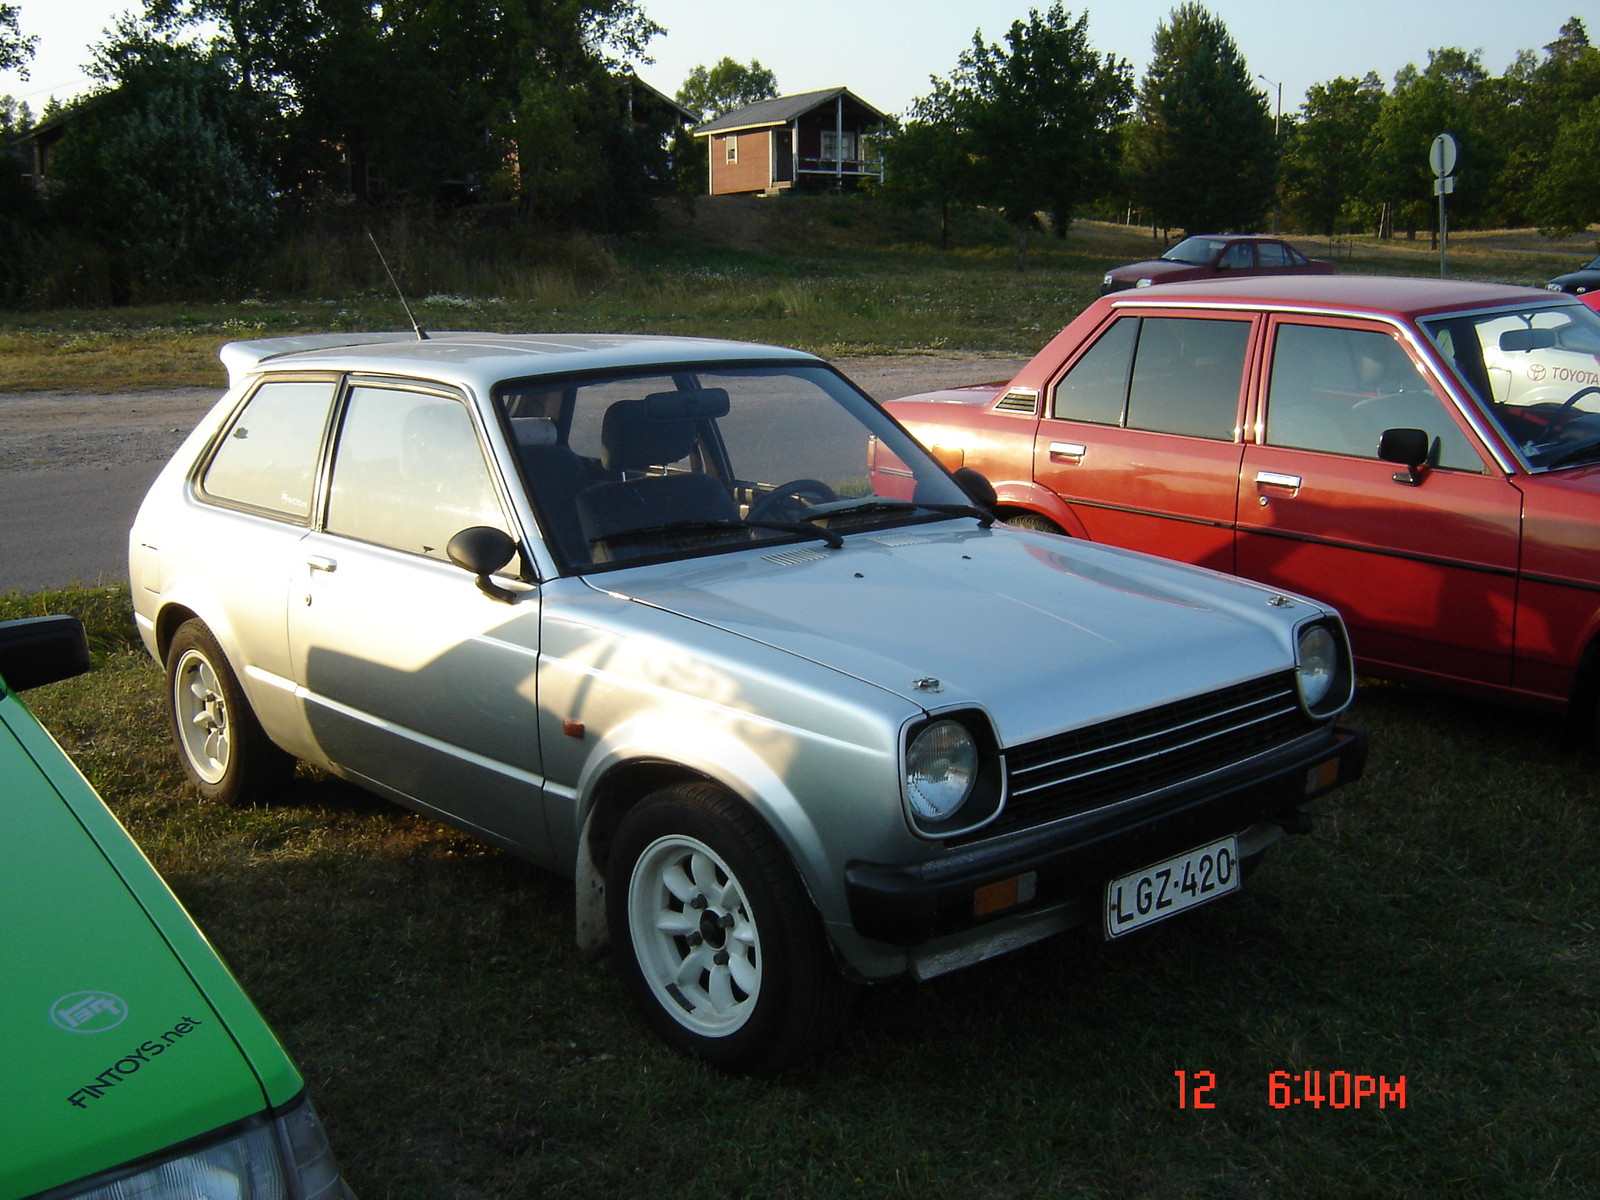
x=1145, y=752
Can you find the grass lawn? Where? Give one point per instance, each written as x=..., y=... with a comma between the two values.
x=1438, y=930
x=1441, y=925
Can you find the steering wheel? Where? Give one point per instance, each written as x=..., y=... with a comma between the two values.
x=1574, y=398
x=789, y=501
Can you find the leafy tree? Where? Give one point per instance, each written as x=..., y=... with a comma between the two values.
x=1323, y=159
x=1035, y=120
x=15, y=48
x=1450, y=96
x=392, y=102
x=1567, y=196
x=1203, y=157
x=163, y=167
x=1540, y=98
x=927, y=159
x=725, y=87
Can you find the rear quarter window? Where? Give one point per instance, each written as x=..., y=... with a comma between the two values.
x=267, y=460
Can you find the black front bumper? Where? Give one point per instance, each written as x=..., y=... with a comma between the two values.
x=1073, y=858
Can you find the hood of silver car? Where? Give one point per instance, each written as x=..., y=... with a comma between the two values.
x=1043, y=632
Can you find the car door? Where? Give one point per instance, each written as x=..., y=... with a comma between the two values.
x=1140, y=434
x=412, y=678
x=1425, y=575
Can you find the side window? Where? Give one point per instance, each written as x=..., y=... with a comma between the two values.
x=268, y=459
x=1337, y=390
x=1098, y=383
x=1186, y=376
x=1237, y=257
x=408, y=472
x=1271, y=254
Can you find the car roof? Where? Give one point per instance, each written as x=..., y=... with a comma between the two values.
x=1376, y=294
x=479, y=360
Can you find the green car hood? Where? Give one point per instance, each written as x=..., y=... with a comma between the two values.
x=124, y=1034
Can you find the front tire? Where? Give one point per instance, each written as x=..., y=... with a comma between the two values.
x=222, y=747
x=714, y=936
x=1032, y=520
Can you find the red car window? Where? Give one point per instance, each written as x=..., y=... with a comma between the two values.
x=1186, y=376
x=1337, y=389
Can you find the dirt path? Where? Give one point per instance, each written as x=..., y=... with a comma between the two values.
x=73, y=467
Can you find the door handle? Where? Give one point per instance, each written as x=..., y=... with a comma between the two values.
x=318, y=562
x=1277, y=479
x=1070, y=450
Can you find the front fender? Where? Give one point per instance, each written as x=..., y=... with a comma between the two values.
x=1021, y=494
x=689, y=743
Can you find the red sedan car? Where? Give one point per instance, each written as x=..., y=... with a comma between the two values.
x=1423, y=454
x=1215, y=256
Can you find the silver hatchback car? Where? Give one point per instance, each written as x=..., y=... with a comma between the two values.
x=696, y=624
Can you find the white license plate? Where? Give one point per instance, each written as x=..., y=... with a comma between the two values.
x=1165, y=889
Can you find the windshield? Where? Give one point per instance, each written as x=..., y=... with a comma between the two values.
x=623, y=468
x=1198, y=251
x=1535, y=372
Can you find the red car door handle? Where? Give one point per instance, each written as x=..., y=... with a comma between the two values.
x=1277, y=479
x=1070, y=450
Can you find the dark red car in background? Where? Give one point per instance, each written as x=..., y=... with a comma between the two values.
x=1423, y=454
x=1213, y=256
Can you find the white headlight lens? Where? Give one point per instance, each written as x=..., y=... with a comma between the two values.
x=1319, y=663
x=249, y=1165
x=941, y=769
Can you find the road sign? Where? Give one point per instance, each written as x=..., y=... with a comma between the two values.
x=1445, y=186
x=1442, y=155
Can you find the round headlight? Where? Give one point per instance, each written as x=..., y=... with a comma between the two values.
x=941, y=769
x=1318, y=663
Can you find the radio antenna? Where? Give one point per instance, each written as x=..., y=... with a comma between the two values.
x=410, y=316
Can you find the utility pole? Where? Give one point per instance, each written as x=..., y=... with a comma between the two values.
x=1277, y=129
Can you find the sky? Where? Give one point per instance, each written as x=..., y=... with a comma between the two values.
x=885, y=50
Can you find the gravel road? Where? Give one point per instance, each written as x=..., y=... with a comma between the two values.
x=73, y=467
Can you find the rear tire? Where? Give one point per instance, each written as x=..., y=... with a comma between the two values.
x=714, y=936
x=221, y=745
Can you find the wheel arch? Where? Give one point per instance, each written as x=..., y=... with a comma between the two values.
x=1016, y=497
x=623, y=784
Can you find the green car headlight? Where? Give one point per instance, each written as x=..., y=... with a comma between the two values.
x=282, y=1159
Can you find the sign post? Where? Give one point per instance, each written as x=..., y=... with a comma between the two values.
x=1442, y=158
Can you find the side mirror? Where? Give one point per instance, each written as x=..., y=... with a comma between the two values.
x=1411, y=449
x=978, y=489
x=40, y=650
x=483, y=550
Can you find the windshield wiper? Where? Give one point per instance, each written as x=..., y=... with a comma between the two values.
x=1589, y=448
x=833, y=540
x=878, y=504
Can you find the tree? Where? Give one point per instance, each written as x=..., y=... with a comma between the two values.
x=396, y=101
x=15, y=48
x=1451, y=96
x=1566, y=198
x=1323, y=160
x=725, y=87
x=927, y=159
x=163, y=166
x=1202, y=143
x=1034, y=119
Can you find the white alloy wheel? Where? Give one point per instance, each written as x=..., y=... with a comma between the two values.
x=694, y=936
x=224, y=750
x=201, y=712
